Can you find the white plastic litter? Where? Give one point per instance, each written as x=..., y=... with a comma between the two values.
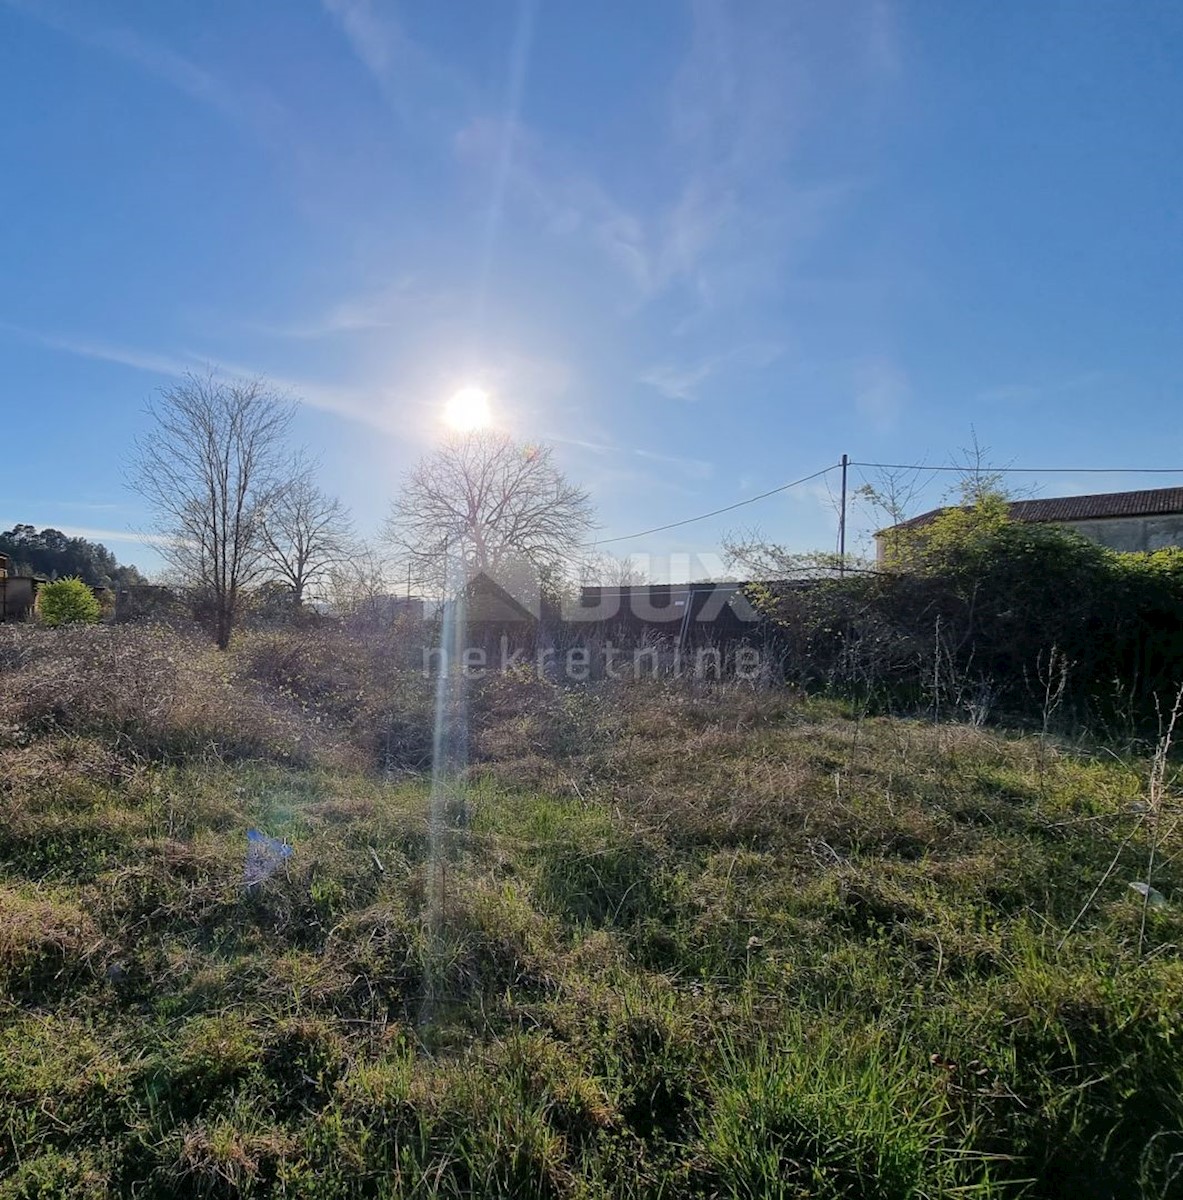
x=1153, y=897
x=264, y=856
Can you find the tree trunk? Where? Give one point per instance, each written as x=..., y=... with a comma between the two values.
x=224, y=622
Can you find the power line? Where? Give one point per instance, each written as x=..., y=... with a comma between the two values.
x=1025, y=470
x=784, y=487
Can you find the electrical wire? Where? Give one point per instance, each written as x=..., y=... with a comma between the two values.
x=784, y=487
x=1023, y=470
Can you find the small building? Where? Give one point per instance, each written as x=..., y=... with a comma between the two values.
x=679, y=612
x=386, y=609
x=1124, y=521
x=149, y=602
x=18, y=593
x=494, y=602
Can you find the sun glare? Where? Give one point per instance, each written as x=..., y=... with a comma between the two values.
x=468, y=410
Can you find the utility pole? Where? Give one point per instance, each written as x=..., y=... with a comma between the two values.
x=842, y=521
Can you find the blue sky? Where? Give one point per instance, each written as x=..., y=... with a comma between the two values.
x=704, y=248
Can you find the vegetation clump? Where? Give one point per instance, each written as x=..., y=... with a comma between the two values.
x=980, y=616
x=67, y=602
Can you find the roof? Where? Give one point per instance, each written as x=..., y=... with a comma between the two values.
x=1099, y=506
x=488, y=601
x=663, y=603
x=659, y=591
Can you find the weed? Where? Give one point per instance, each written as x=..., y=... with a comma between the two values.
x=724, y=945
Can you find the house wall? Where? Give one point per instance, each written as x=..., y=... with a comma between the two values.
x=687, y=614
x=17, y=596
x=1129, y=534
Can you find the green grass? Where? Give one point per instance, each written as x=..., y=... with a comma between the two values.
x=714, y=946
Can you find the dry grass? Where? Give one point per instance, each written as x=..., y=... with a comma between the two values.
x=146, y=691
x=678, y=944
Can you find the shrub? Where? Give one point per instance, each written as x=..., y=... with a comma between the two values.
x=145, y=689
x=67, y=602
x=978, y=611
x=372, y=688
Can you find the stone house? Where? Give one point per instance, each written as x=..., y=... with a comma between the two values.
x=1125, y=521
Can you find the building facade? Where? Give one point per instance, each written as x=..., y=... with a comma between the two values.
x=18, y=593
x=1130, y=522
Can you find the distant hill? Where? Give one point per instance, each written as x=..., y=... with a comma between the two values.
x=51, y=553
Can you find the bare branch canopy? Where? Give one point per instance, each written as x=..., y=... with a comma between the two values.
x=487, y=501
x=213, y=464
x=306, y=534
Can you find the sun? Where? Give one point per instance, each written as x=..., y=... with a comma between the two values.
x=468, y=410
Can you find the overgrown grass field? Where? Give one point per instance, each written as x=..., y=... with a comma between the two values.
x=676, y=943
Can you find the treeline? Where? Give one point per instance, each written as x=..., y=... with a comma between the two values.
x=975, y=615
x=50, y=553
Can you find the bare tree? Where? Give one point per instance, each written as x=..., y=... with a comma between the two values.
x=609, y=571
x=210, y=468
x=305, y=534
x=977, y=479
x=359, y=581
x=893, y=495
x=748, y=552
x=487, y=503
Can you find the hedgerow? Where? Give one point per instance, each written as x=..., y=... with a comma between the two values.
x=984, y=616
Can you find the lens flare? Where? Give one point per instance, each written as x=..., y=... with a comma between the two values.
x=447, y=812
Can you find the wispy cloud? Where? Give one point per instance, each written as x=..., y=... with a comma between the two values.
x=409, y=414
x=678, y=383
x=884, y=50
x=559, y=193
x=170, y=67
x=731, y=214
x=752, y=85
x=123, y=536
x=245, y=105
x=377, y=407
x=170, y=365
x=383, y=308
x=696, y=468
x=71, y=505
x=423, y=91
x=727, y=214
x=374, y=407
x=682, y=382
x=816, y=494
x=1047, y=388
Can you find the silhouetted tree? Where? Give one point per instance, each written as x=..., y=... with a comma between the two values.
x=306, y=533
x=488, y=503
x=211, y=468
